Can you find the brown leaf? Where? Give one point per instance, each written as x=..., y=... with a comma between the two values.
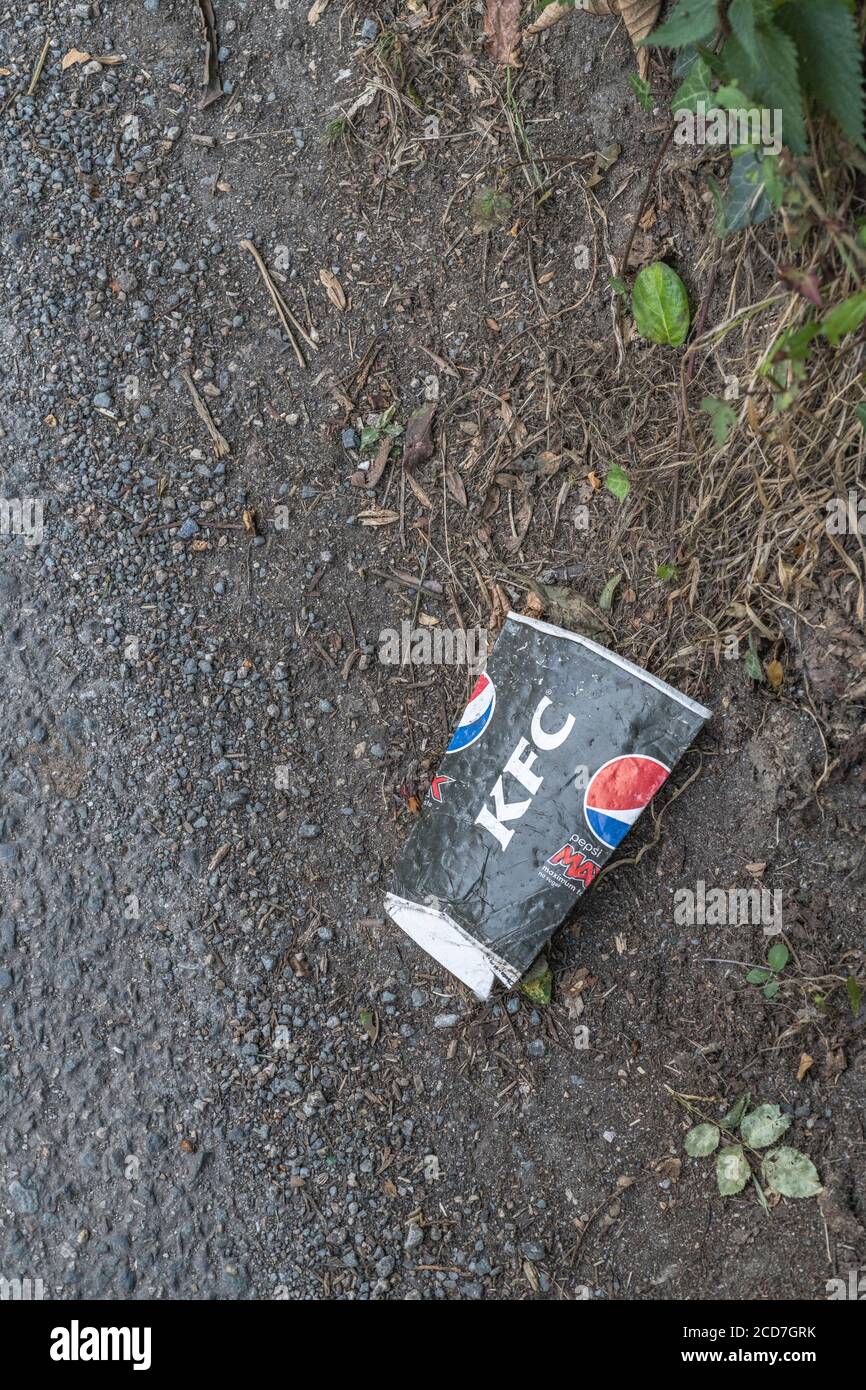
x=419, y=492
x=805, y=1063
x=454, y=484
x=74, y=56
x=551, y=14
x=775, y=674
x=211, y=80
x=316, y=10
x=369, y=477
x=639, y=17
x=418, y=444
x=334, y=289
x=502, y=27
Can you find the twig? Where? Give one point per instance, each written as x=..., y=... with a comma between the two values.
x=284, y=313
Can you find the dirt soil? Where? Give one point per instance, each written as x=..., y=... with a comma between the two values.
x=198, y=830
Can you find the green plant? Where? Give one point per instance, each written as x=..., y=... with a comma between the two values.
x=756, y=58
x=767, y=976
x=786, y=1171
x=378, y=426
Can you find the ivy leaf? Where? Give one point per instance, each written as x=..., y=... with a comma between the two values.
x=767, y=70
x=732, y=1170
x=777, y=956
x=660, y=305
x=690, y=21
x=748, y=201
x=762, y=1127
x=791, y=1173
x=723, y=417
x=702, y=1140
x=642, y=90
x=617, y=482
x=695, y=87
x=844, y=318
x=825, y=32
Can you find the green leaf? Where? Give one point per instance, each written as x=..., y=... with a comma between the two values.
x=702, y=1140
x=695, y=87
x=732, y=1170
x=844, y=318
x=825, y=32
x=642, y=90
x=752, y=661
x=667, y=572
x=855, y=994
x=690, y=21
x=861, y=413
x=722, y=415
x=617, y=482
x=758, y=976
x=767, y=70
x=660, y=305
x=791, y=1173
x=618, y=285
x=748, y=202
x=762, y=1127
x=735, y=1114
x=605, y=603
x=771, y=989
x=777, y=956
x=743, y=16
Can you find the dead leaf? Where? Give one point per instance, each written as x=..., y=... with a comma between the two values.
x=369, y=477
x=454, y=484
x=211, y=80
x=551, y=14
x=315, y=12
x=670, y=1169
x=248, y=517
x=805, y=1063
x=377, y=516
x=419, y=492
x=520, y=525
x=334, y=289
x=418, y=444
x=74, y=56
x=502, y=27
x=775, y=674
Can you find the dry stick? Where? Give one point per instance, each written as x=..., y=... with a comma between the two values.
x=40, y=63
x=220, y=443
x=284, y=313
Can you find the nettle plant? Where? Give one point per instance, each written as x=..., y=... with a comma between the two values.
x=759, y=69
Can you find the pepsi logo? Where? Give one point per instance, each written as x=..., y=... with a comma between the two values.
x=476, y=716
x=617, y=794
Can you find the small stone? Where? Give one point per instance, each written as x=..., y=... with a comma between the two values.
x=446, y=1020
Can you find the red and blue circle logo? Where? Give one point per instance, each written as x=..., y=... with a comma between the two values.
x=476, y=716
x=617, y=794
